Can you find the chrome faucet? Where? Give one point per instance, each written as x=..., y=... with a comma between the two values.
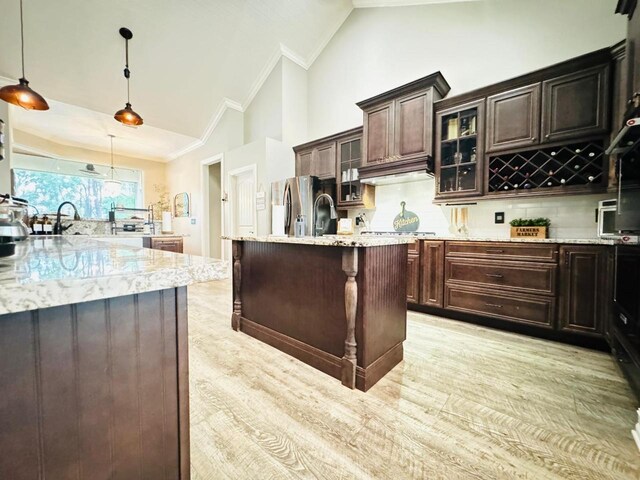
x=317, y=232
x=58, y=228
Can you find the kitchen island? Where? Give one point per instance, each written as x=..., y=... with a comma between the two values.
x=335, y=303
x=94, y=359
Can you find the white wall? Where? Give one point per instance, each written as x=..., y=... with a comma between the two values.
x=294, y=103
x=472, y=43
x=263, y=117
x=184, y=175
x=5, y=165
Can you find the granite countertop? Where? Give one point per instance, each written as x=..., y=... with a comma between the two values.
x=330, y=240
x=579, y=241
x=53, y=271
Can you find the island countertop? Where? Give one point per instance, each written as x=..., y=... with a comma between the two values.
x=330, y=240
x=53, y=271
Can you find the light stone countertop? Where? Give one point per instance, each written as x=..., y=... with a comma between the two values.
x=331, y=240
x=578, y=241
x=61, y=270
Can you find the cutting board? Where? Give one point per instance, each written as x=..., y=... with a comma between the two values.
x=406, y=221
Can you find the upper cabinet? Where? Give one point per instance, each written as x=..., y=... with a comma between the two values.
x=513, y=118
x=542, y=133
x=317, y=158
x=350, y=192
x=576, y=105
x=398, y=127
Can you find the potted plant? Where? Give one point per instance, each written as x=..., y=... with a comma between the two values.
x=530, y=227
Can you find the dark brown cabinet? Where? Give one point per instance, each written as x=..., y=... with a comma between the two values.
x=350, y=192
x=413, y=278
x=398, y=126
x=459, y=151
x=378, y=133
x=432, y=273
x=576, y=105
x=169, y=244
x=319, y=161
x=584, y=294
x=513, y=118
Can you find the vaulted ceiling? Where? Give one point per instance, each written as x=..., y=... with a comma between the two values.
x=186, y=58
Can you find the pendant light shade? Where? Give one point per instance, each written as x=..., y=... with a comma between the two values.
x=127, y=116
x=21, y=94
x=111, y=187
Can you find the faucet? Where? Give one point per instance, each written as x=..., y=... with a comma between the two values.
x=58, y=228
x=317, y=232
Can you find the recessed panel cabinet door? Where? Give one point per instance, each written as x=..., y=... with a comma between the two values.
x=513, y=118
x=323, y=163
x=432, y=283
x=378, y=133
x=584, y=296
x=413, y=278
x=413, y=125
x=575, y=105
x=303, y=163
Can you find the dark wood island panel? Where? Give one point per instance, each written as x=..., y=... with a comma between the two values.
x=96, y=390
x=296, y=298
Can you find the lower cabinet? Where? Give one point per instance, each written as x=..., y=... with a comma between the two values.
x=169, y=244
x=584, y=295
x=432, y=273
x=565, y=288
x=413, y=278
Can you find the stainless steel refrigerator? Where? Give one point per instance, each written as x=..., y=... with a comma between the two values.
x=297, y=194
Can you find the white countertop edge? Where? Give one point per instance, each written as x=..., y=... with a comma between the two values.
x=26, y=297
x=329, y=240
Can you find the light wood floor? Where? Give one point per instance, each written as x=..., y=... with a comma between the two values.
x=467, y=402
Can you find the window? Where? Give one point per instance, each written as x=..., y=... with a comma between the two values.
x=46, y=182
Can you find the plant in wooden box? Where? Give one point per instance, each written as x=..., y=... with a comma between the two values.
x=529, y=227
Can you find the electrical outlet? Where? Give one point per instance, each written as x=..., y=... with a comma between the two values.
x=193, y=221
x=499, y=217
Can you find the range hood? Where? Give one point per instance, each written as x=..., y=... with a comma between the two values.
x=397, y=178
x=403, y=171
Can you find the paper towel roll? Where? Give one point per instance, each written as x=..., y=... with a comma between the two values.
x=277, y=220
x=166, y=222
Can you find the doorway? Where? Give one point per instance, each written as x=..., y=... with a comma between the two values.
x=243, y=201
x=215, y=210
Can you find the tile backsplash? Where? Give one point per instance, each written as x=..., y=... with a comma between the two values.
x=572, y=216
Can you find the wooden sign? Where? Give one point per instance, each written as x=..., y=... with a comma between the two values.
x=528, y=232
x=406, y=221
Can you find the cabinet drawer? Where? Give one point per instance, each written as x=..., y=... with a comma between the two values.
x=504, y=251
x=536, y=278
x=414, y=247
x=522, y=309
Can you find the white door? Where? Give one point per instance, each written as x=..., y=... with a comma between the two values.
x=243, y=203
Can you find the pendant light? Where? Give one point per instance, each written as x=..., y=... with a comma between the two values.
x=112, y=187
x=21, y=94
x=127, y=116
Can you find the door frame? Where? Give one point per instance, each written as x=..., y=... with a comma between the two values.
x=204, y=181
x=231, y=182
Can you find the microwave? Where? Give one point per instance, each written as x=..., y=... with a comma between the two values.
x=607, y=218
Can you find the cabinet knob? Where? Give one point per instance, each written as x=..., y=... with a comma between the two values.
x=533, y=139
x=547, y=136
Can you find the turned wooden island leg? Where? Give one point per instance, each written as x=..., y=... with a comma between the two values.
x=237, y=301
x=349, y=361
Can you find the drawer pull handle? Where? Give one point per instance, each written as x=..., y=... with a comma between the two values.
x=493, y=305
x=494, y=275
x=494, y=250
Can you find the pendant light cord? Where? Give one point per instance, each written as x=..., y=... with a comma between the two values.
x=111, y=137
x=126, y=67
x=22, y=37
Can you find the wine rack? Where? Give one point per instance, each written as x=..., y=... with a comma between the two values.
x=572, y=165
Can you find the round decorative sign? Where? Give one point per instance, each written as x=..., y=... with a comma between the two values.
x=406, y=221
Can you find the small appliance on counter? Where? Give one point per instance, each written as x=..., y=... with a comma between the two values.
x=12, y=227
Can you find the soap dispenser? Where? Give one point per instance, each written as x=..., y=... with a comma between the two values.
x=300, y=226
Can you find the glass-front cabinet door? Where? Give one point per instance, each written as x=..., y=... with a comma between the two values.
x=459, y=151
x=351, y=193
